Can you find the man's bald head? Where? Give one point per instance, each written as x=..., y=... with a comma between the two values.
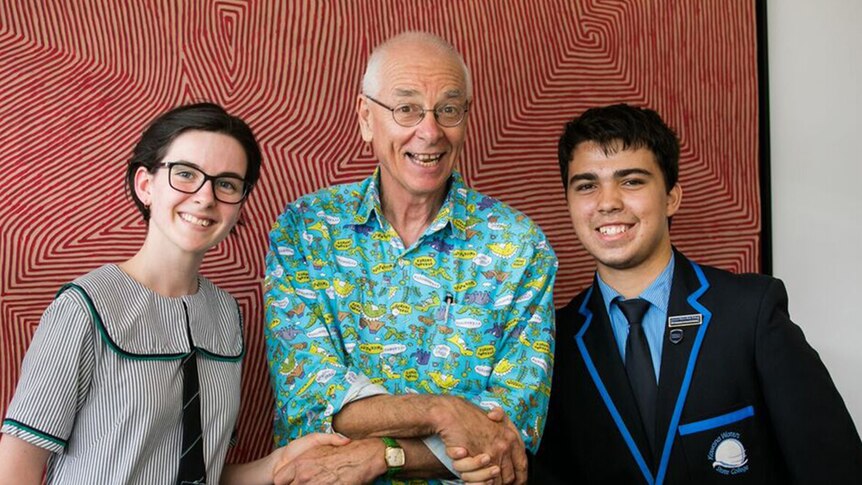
x=371, y=81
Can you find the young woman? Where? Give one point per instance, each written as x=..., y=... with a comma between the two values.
x=133, y=375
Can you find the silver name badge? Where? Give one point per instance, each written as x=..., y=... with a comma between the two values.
x=685, y=320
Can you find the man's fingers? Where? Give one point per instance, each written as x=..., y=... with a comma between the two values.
x=496, y=414
x=519, y=456
x=520, y=465
x=515, y=430
x=299, y=446
x=284, y=475
x=320, y=439
x=456, y=452
x=507, y=471
x=334, y=439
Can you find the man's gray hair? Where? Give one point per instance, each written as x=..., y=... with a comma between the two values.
x=371, y=80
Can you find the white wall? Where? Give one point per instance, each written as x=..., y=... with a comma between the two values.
x=815, y=61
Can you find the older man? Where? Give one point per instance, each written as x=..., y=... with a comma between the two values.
x=401, y=309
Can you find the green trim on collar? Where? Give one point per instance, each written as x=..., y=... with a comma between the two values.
x=100, y=326
x=103, y=332
x=221, y=358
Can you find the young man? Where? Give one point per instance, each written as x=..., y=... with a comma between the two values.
x=667, y=371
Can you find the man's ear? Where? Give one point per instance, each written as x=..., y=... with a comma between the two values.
x=363, y=114
x=144, y=185
x=674, y=199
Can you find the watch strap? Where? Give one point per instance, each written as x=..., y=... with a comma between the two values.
x=391, y=443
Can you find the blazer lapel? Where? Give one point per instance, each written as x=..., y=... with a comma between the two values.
x=679, y=361
x=674, y=356
x=601, y=346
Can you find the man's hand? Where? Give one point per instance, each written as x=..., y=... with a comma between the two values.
x=468, y=431
x=357, y=462
x=286, y=454
x=263, y=470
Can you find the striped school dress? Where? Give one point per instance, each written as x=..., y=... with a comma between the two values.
x=101, y=384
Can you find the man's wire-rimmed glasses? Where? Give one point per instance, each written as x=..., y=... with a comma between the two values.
x=188, y=179
x=409, y=114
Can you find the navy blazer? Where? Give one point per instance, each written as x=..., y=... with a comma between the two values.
x=742, y=397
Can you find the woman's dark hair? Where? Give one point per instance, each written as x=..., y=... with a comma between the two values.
x=157, y=138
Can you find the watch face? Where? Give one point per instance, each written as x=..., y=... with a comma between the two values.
x=394, y=457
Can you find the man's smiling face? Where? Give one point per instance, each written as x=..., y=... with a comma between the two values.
x=620, y=207
x=416, y=161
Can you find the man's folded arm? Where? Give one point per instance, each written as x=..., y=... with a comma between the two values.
x=311, y=374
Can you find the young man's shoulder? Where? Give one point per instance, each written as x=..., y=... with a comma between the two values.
x=572, y=313
x=719, y=278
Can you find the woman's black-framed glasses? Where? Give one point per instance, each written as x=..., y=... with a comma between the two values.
x=188, y=179
x=409, y=114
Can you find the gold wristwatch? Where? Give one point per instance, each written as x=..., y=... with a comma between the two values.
x=394, y=456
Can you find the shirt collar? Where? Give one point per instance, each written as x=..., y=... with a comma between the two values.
x=453, y=212
x=370, y=199
x=657, y=293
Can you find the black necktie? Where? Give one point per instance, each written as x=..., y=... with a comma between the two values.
x=192, y=468
x=639, y=364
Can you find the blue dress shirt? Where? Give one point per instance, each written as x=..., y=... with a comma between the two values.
x=657, y=294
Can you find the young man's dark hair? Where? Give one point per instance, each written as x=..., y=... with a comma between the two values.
x=666, y=370
x=622, y=127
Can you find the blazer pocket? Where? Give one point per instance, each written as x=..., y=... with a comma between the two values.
x=724, y=448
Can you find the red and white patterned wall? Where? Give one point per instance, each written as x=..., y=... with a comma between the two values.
x=79, y=80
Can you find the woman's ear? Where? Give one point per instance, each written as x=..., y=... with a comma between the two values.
x=144, y=185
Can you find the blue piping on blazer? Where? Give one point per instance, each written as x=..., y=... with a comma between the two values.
x=683, y=391
x=716, y=422
x=609, y=403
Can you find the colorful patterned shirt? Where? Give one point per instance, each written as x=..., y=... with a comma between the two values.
x=467, y=310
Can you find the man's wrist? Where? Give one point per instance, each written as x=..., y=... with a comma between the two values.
x=379, y=466
x=437, y=447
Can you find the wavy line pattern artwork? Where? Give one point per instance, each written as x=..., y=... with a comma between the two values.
x=81, y=79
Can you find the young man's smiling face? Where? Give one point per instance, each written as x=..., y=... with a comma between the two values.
x=620, y=206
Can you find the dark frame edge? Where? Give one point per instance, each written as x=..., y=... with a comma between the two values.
x=763, y=136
